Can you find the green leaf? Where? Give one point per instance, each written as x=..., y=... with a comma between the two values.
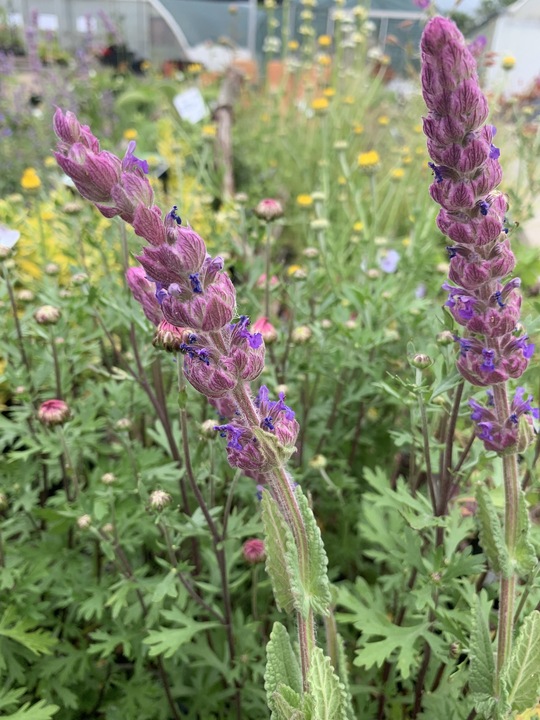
x=278, y=538
x=343, y=673
x=167, y=641
x=525, y=555
x=166, y=587
x=309, y=580
x=395, y=638
x=21, y=630
x=39, y=711
x=491, y=535
x=286, y=704
x=282, y=667
x=482, y=665
x=522, y=674
x=325, y=688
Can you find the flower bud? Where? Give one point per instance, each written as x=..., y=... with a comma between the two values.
x=47, y=315
x=421, y=361
x=207, y=429
x=254, y=551
x=108, y=478
x=159, y=499
x=123, y=424
x=269, y=210
x=169, y=337
x=301, y=335
x=53, y=412
x=263, y=326
x=318, y=462
x=84, y=522
x=446, y=337
x=52, y=269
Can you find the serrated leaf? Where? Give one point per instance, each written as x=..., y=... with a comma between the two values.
x=167, y=641
x=39, y=711
x=282, y=667
x=21, y=630
x=325, y=688
x=278, y=538
x=309, y=578
x=524, y=554
x=491, y=535
x=283, y=709
x=343, y=673
x=166, y=587
x=482, y=665
x=396, y=638
x=522, y=674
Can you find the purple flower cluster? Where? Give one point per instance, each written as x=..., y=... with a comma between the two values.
x=187, y=296
x=466, y=174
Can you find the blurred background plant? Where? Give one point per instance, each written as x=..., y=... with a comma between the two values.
x=115, y=603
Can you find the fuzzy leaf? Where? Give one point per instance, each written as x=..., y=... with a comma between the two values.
x=282, y=667
x=491, y=535
x=525, y=554
x=278, y=538
x=522, y=674
x=286, y=704
x=310, y=583
x=343, y=673
x=482, y=666
x=325, y=688
x=39, y=711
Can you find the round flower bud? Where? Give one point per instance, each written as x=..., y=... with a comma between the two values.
x=421, y=361
x=207, y=429
x=84, y=522
x=52, y=269
x=326, y=323
x=53, y=412
x=373, y=273
x=108, y=529
x=108, y=478
x=526, y=433
x=123, y=424
x=318, y=462
x=47, y=315
x=253, y=551
x=446, y=337
x=301, y=334
x=269, y=209
x=159, y=499
x=79, y=278
x=263, y=326
x=310, y=252
x=25, y=295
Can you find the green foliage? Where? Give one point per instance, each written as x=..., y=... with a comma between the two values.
x=278, y=538
x=482, y=666
x=521, y=676
x=329, y=696
x=491, y=534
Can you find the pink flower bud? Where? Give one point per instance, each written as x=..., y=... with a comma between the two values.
x=208, y=311
x=254, y=551
x=47, y=315
x=263, y=326
x=53, y=412
x=168, y=337
x=148, y=224
x=269, y=210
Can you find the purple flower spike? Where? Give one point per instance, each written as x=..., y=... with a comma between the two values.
x=466, y=169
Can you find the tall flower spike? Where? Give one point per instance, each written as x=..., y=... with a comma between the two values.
x=466, y=170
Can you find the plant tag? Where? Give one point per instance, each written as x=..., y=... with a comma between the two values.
x=190, y=105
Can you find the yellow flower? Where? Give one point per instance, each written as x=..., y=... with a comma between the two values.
x=358, y=129
x=304, y=200
x=50, y=161
x=342, y=180
x=325, y=40
x=265, y=118
x=208, y=131
x=348, y=100
x=319, y=104
x=30, y=179
x=329, y=92
x=194, y=68
x=358, y=226
x=406, y=159
x=130, y=134
x=293, y=45
x=296, y=271
x=508, y=62
x=47, y=215
x=372, y=413
x=145, y=65
x=397, y=174
x=383, y=120
x=324, y=60
x=532, y=714
x=368, y=159
x=406, y=242
x=417, y=128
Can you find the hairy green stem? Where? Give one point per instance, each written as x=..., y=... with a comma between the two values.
x=511, y=508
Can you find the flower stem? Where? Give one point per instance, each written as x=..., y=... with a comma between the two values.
x=511, y=508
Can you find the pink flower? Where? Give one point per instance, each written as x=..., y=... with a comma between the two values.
x=254, y=551
x=53, y=412
x=263, y=326
x=269, y=209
